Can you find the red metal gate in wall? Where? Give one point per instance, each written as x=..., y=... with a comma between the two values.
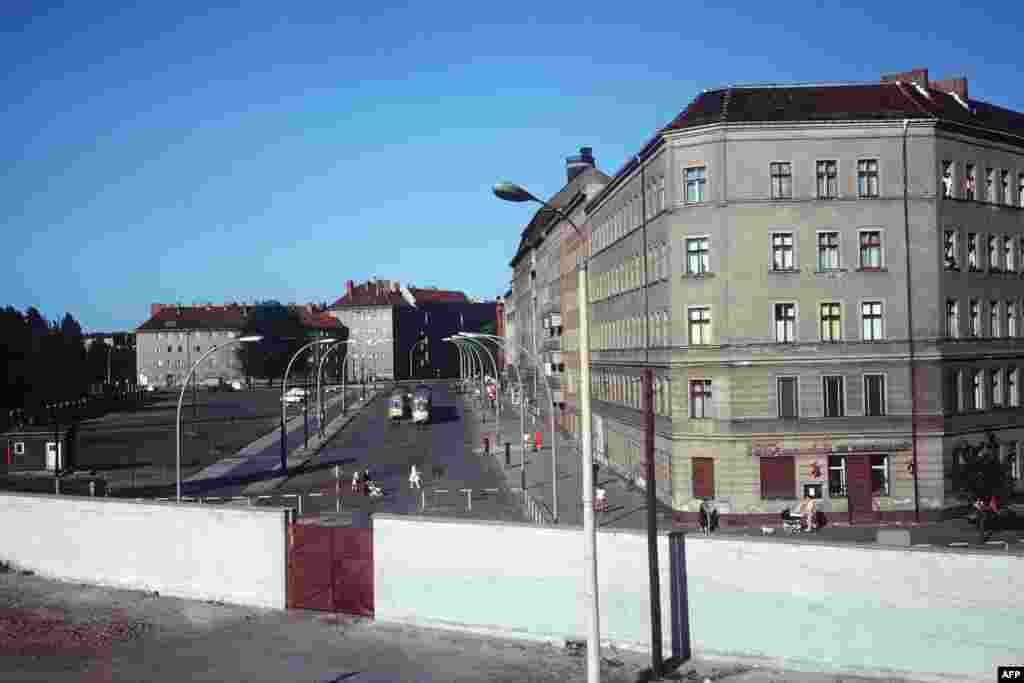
x=330, y=568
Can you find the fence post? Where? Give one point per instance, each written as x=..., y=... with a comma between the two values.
x=423, y=499
x=337, y=488
x=56, y=485
x=299, y=498
x=92, y=489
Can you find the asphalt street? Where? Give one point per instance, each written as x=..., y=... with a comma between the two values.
x=455, y=480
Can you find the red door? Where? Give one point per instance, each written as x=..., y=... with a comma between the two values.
x=858, y=488
x=703, y=478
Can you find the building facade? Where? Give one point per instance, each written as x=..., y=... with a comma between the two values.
x=175, y=336
x=755, y=256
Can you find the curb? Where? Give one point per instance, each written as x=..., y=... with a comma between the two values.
x=300, y=457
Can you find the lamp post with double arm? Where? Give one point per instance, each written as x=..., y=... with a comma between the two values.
x=319, y=383
x=181, y=396
x=284, y=391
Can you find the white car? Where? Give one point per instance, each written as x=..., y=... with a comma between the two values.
x=295, y=395
x=236, y=385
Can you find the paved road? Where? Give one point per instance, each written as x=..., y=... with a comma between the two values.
x=442, y=451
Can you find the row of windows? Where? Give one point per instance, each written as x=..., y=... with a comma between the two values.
x=830, y=322
x=181, y=349
x=382, y=313
x=997, y=188
x=833, y=396
x=629, y=274
x=626, y=218
x=784, y=258
x=629, y=333
x=626, y=390
x=995, y=319
x=778, y=477
x=968, y=390
x=198, y=334
x=827, y=176
x=1001, y=253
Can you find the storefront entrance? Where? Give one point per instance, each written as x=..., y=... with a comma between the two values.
x=858, y=488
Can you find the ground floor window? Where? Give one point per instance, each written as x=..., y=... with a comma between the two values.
x=837, y=476
x=778, y=477
x=1013, y=458
x=879, y=475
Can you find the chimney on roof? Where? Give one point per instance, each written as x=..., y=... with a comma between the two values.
x=957, y=86
x=155, y=308
x=578, y=163
x=348, y=288
x=919, y=76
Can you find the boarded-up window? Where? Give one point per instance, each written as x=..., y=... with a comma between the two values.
x=787, y=397
x=778, y=477
x=703, y=478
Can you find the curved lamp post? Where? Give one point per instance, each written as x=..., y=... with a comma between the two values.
x=284, y=389
x=472, y=352
x=181, y=396
x=418, y=343
x=473, y=339
x=511, y=192
x=522, y=418
x=319, y=382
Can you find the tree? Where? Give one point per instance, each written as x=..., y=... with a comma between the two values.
x=981, y=474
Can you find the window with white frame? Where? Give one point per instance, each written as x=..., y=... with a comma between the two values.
x=947, y=179
x=1013, y=458
x=19, y=448
x=782, y=180
x=870, y=249
x=969, y=182
x=785, y=322
x=830, y=321
x=834, y=396
x=974, y=317
x=1009, y=255
x=696, y=180
x=828, y=250
x=787, y=392
x=977, y=390
x=661, y=193
x=1012, y=387
x=1011, y=318
x=700, y=325
x=949, y=250
x=990, y=185
x=782, y=251
x=879, y=475
x=1004, y=185
x=697, y=255
x=837, y=476
x=993, y=253
x=828, y=185
x=1020, y=189
x=994, y=328
x=972, y=251
x=950, y=391
x=995, y=387
x=867, y=178
x=874, y=395
x=700, y=398
x=871, y=320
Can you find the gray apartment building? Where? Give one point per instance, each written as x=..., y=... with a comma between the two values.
x=536, y=295
x=832, y=302
x=175, y=336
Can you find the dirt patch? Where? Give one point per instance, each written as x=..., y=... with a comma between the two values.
x=43, y=631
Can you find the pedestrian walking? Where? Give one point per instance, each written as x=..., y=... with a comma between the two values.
x=366, y=481
x=414, y=478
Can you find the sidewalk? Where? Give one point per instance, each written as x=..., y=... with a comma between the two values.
x=627, y=505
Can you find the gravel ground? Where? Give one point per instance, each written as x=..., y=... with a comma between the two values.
x=55, y=631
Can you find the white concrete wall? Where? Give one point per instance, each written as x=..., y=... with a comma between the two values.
x=229, y=554
x=805, y=605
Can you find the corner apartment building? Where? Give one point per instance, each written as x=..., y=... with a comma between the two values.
x=800, y=341
x=175, y=336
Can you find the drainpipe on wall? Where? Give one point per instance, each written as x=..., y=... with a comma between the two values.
x=910, y=328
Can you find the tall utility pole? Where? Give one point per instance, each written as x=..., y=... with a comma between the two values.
x=590, y=593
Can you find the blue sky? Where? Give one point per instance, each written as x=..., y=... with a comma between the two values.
x=169, y=152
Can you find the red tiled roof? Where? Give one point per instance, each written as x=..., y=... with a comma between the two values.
x=319, y=320
x=229, y=317
x=438, y=296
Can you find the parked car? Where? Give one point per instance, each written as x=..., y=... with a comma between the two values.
x=236, y=385
x=295, y=395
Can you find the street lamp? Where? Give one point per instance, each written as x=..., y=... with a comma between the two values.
x=511, y=192
x=181, y=396
x=522, y=419
x=319, y=384
x=418, y=343
x=284, y=406
x=374, y=342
